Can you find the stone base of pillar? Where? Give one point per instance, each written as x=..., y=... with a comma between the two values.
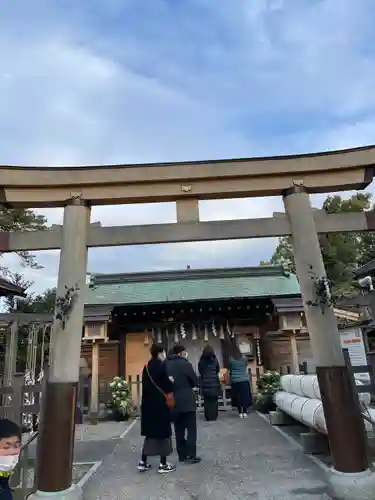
x=278, y=417
x=93, y=418
x=355, y=486
x=314, y=443
x=72, y=493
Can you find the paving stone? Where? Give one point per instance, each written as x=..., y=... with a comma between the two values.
x=102, y=431
x=242, y=459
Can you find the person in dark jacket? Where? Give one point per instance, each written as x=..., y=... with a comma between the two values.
x=185, y=411
x=170, y=356
x=209, y=368
x=155, y=416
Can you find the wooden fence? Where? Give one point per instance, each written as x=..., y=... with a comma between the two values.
x=224, y=398
x=136, y=390
x=135, y=383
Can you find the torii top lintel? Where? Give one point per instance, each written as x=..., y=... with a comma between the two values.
x=161, y=182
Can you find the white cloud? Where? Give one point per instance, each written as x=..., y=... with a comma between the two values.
x=162, y=81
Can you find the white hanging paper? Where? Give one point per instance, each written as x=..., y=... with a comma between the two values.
x=213, y=328
x=222, y=336
x=194, y=333
x=205, y=333
x=167, y=334
x=182, y=331
x=229, y=331
x=159, y=340
x=176, y=336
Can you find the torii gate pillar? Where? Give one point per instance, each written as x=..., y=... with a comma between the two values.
x=57, y=429
x=350, y=477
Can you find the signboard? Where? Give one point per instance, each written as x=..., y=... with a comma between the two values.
x=245, y=345
x=352, y=339
x=245, y=348
x=258, y=353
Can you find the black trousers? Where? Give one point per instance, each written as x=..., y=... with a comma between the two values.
x=211, y=408
x=185, y=425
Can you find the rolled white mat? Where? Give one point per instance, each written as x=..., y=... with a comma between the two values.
x=309, y=411
x=308, y=387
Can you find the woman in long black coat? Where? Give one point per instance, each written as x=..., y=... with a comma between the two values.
x=155, y=414
x=209, y=368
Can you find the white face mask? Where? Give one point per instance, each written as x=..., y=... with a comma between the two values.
x=186, y=355
x=8, y=463
x=162, y=356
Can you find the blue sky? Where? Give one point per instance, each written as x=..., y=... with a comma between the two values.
x=102, y=81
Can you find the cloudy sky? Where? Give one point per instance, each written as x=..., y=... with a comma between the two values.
x=121, y=81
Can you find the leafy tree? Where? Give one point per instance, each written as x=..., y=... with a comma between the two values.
x=43, y=303
x=19, y=219
x=342, y=252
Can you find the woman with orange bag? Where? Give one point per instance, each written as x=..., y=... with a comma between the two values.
x=155, y=412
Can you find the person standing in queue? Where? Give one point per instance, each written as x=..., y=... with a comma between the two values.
x=209, y=368
x=185, y=411
x=155, y=414
x=240, y=380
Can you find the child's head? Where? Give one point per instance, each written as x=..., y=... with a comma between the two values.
x=10, y=437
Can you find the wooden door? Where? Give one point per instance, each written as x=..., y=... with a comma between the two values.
x=137, y=355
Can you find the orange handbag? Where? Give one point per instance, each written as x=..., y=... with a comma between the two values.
x=170, y=400
x=169, y=397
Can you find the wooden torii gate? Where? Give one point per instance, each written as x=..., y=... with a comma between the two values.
x=186, y=183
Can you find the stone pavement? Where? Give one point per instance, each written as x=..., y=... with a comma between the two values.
x=100, y=432
x=94, y=442
x=242, y=459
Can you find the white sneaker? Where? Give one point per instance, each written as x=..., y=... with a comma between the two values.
x=245, y=415
x=164, y=469
x=241, y=415
x=143, y=467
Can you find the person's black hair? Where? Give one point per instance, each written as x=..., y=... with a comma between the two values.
x=232, y=349
x=8, y=429
x=208, y=352
x=178, y=349
x=155, y=350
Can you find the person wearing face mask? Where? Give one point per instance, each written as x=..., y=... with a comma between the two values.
x=10, y=446
x=155, y=413
x=185, y=411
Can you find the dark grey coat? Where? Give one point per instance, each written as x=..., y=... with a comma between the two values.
x=209, y=371
x=185, y=380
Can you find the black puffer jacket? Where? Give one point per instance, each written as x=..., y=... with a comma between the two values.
x=209, y=368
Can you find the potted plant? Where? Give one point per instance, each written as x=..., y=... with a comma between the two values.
x=120, y=402
x=268, y=384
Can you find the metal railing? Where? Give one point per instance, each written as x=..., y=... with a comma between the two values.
x=21, y=482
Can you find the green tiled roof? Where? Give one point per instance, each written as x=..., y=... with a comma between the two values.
x=153, y=288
